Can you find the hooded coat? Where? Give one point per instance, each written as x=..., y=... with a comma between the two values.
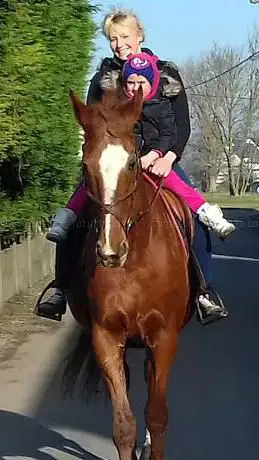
x=171, y=89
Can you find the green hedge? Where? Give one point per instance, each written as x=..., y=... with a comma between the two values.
x=45, y=49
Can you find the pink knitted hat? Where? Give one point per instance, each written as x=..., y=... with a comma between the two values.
x=146, y=65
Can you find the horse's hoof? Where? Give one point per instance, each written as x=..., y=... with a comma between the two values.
x=145, y=453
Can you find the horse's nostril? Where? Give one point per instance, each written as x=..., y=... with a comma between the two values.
x=124, y=248
x=110, y=258
x=113, y=257
x=99, y=249
x=104, y=254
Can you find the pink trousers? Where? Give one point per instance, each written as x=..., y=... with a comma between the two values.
x=193, y=198
x=173, y=182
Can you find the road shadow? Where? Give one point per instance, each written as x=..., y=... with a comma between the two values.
x=22, y=436
x=213, y=390
x=94, y=418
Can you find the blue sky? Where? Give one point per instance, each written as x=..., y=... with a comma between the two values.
x=176, y=30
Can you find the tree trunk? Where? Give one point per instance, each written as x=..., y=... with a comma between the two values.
x=212, y=184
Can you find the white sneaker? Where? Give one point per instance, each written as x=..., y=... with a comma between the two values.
x=209, y=310
x=212, y=216
x=206, y=302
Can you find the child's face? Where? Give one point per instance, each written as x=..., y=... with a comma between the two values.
x=134, y=82
x=125, y=40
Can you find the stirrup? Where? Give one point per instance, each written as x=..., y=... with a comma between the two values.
x=213, y=316
x=57, y=316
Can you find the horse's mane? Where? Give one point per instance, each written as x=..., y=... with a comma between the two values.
x=118, y=112
x=110, y=120
x=112, y=100
x=115, y=113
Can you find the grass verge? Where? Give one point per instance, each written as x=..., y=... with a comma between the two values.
x=248, y=201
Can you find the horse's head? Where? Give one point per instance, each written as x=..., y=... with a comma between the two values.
x=111, y=167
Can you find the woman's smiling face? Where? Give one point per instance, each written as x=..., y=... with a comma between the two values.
x=125, y=40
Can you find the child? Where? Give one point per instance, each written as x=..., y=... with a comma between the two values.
x=157, y=132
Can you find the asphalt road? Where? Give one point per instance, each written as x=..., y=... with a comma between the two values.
x=214, y=386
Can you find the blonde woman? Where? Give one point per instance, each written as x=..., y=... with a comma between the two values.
x=126, y=35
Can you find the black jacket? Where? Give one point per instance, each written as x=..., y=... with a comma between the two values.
x=156, y=127
x=172, y=88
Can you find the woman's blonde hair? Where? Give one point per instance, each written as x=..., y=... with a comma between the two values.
x=118, y=16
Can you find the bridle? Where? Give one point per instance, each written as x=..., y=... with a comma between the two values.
x=131, y=221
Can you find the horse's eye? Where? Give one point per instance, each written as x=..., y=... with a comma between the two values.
x=132, y=165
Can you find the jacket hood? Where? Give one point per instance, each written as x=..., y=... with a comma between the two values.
x=169, y=86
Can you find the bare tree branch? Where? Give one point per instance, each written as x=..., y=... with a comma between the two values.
x=226, y=109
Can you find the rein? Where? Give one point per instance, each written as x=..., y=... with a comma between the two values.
x=132, y=222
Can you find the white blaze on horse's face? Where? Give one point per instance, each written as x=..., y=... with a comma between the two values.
x=113, y=160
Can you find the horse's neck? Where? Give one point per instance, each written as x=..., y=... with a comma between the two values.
x=147, y=230
x=152, y=233
x=146, y=207
x=145, y=194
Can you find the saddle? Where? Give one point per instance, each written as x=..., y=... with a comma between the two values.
x=183, y=220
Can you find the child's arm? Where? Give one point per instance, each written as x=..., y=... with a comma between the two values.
x=167, y=129
x=167, y=140
x=163, y=147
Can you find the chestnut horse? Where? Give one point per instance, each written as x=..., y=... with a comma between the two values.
x=140, y=288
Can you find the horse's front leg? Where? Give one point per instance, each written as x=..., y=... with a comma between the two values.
x=110, y=354
x=156, y=411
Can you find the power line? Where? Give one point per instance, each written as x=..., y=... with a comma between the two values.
x=225, y=71
x=212, y=96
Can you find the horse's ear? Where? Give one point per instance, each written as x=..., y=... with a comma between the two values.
x=80, y=109
x=132, y=109
x=138, y=102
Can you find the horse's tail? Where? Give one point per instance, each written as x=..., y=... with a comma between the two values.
x=82, y=372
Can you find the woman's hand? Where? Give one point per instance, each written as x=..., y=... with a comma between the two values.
x=149, y=159
x=163, y=166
